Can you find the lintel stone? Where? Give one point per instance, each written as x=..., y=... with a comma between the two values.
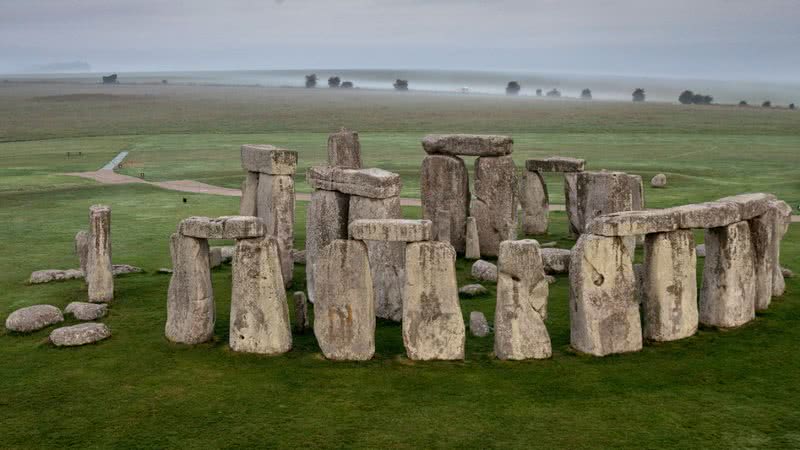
x=555, y=164
x=391, y=230
x=225, y=227
x=371, y=183
x=268, y=159
x=468, y=144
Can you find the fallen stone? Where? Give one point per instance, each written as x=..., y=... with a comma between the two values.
x=82, y=249
x=391, y=230
x=472, y=290
x=535, y=203
x=248, y=205
x=268, y=159
x=190, y=300
x=786, y=272
x=555, y=164
x=707, y=215
x=344, y=149
x=548, y=244
x=484, y=271
x=495, y=204
x=633, y=223
x=276, y=209
x=468, y=144
x=478, y=325
x=659, y=181
x=225, y=227
x=82, y=334
x=48, y=275
x=300, y=312
x=473, y=245
x=555, y=260
x=299, y=256
x=444, y=183
x=99, y=278
x=86, y=311
x=701, y=250
x=164, y=270
x=326, y=221
x=33, y=318
x=372, y=183
x=124, y=269
x=750, y=205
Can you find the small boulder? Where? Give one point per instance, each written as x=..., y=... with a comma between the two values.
x=472, y=290
x=786, y=272
x=484, y=271
x=701, y=250
x=87, y=311
x=550, y=279
x=122, y=269
x=48, y=275
x=478, y=325
x=32, y=318
x=85, y=333
x=299, y=256
x=659, y=181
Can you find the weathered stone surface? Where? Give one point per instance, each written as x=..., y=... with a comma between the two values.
x=727, y=295
x=600, y=193
x=82, y=334
x=225, y=252
x=48, y=275
x=484, y=271
x=344, y=310
x=433, y=327
x=784, y=214
x=765, y=251
x=214, y=257
x=707, y=215
x=124, y=269
x=326, y=221
x=33, y=318
x=225, y=227
x=344, y=149
x=495, y=204
x=86, y=311
x=276, y=209
x=550, y=279
x=669, y=286
x=555, y=260
x=659, y=181
x=164, y=270
x=750, y=205
x=443, y=225
x=248, y=205
x=391, y=230
x=478, y=325
x=473, y=244
x=300, y=312
x=190, y=303
x=519, y=330
x=82, y=249
x=633, y=223
x=259, y=321
x=472, y=290
x=299, y=256
x=99, y=278
x=701, y=250
x=268, y=159
x=555, y=164
x=787, y=272
x=468, y=144
x=550, y=244
x=571, y=202
x=604, y=310
x=386, y=259
x=444, y=183
x=535, y=203
x=372, y=183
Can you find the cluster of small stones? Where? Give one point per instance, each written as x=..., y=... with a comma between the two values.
x=533, y=195
x=37, y=317
x=476, y=225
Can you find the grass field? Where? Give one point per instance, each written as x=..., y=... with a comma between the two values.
x=719, y=389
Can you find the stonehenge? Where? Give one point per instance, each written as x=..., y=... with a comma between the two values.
x=533, y=195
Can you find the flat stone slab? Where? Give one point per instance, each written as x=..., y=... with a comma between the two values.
x=86, y=311
x=33, y=318
x=555, y=164
x=268, y=159
x=750, y=205
x=707, y=215
x=372, y=183
x=634, y=223
x=225, y=227
x=48, y=275
x=391, y=230
x=123, y=269
x=85, y=333
x=468, y=144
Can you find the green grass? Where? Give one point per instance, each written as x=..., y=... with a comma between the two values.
x=720, y=389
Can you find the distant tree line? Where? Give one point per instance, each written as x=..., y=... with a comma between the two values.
x=688, y=97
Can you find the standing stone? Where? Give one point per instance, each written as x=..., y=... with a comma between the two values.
x=190, y=302
x=433, y=327
x=98, y=265
x=300, y=312
x=276, y=209
x=259, y=321
x=669, y=286
x=495, y=204
x=326, y=221
x=727, y=296
x=386, y=259
x=762, y=233
x=473, y=244
x=248, y=205
x=598, y=193
x=478, y=325
x=784, y=213
x=82, y=249
x=344, y=149
x=535, y=203
x=571, y=202
x=444, y=183
x=344, y=312
x=604, y=310
x=519, y=330
x=443, y=225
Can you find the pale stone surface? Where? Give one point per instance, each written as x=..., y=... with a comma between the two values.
x=784, y=212
x=669, y=286
x=326, y=221
x=495, y=204
x=548, y=244
x=276, y=209
x=473, y=244
x=344, y=149
x=190, y=303
x=600, y=193
x=391, y=230
x=555, y=260
x=433, y=327
x=82, y=334
x=786, y=272
x=82, y=248
x=659, y=181
x=765, y=251
x=472, y=290
x=707, y=215
x=478, y=325
x=750, y=205
x=443, y=225
x=484, y=271
x=519, y=330
x=32, y=318
x=123, y=269
x=535, y=203
x=444, y=183
x=86, y=311
x=248, y=205
x=99, y=278
x=225, y=252
x=225, y=227
x=344, y=308
x=214, y=257
x=372, y=183
x=550, y=279
x=268, y=159
x=555, y=164
x=300, y=312
x=259, y=321
x=701, y=250
x=727, y=295
x=571, y=202
x=604, y=310
x=468, y=144
x=48, y=275
x=299, y=256
x=633, y=223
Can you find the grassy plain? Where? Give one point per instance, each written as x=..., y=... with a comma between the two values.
x=721, y=389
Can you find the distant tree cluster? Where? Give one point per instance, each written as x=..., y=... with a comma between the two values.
x=400, y=85
x=111, y=79
x=766, y=104
x=638, y=95
x=586, y=94
x=743, y=103
x=347, y=85
x=538, y=92
x=791, y=106
x=513, y=88
x=688, y=97
x=555, y=93
x=334, y=82
x=311, y=81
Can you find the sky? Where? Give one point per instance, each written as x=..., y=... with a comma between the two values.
x=715, y=39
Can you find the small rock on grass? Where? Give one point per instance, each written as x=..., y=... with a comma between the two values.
x=478, y=325
x=86, y=311
x=85, y=333
x=786, y=272
x=32, y=318
x=472, y=290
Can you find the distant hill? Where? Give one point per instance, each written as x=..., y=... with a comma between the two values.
x=60, y=67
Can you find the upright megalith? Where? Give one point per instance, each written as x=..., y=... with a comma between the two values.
x=248, y=205
x=669, y=286
x=473, y=243
x=344, y=149
x=784, y=217
x=762, y=234
x=593, y=194
x=99, y=277
x=82, y=249
x=259, y=320
x=190, y=302
x=519, y=330
x=535, y=203
x=326, y=221
x=433, y=327
x=300, y=311
x=727, y=295
x=443, y=225
x=344, y=308
x=495, y=204
x=444, y=184
x=604, y=310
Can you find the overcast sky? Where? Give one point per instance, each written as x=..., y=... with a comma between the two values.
x=724, y=39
